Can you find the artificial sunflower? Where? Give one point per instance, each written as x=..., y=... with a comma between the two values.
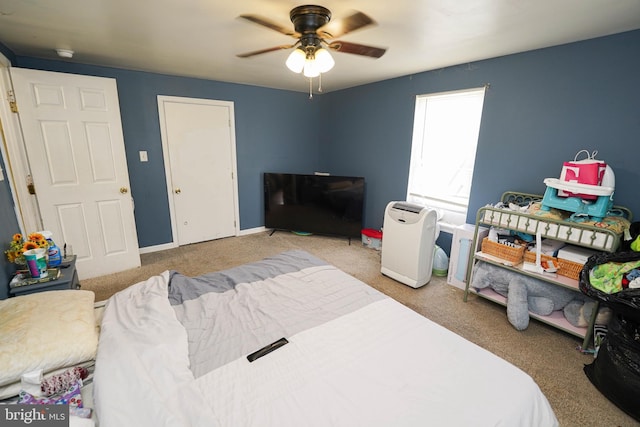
x=18, y=245
x=36, y=237
x=30, y=245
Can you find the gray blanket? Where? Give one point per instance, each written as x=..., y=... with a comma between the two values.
x=231, y=313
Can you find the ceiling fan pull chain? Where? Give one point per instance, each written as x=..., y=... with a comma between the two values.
x=320, y=83
x=310, y=88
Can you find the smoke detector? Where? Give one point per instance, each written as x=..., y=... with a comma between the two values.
x=65, y=53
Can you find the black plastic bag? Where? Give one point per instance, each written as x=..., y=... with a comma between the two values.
x=634, y=232
x=626, y=302
x=615, y=372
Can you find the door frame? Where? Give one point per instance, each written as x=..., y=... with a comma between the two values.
x=167, y=161
x=15, y=157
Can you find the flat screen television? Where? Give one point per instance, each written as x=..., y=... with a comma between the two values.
x=318, y=204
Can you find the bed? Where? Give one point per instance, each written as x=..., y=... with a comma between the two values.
x=173, y=352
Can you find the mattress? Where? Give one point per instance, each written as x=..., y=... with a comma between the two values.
x=48, y=331
x=173, y=349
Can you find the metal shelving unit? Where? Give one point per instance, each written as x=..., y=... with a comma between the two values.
x=585, y=235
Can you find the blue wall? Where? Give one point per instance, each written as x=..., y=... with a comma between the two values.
x=541, y=108
x=7, y=53
x=8, y=227
x=272, y=134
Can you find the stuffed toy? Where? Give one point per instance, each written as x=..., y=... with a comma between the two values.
x=524, y=294
x=579, y=311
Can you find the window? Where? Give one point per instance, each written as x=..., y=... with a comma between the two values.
x=443, y=152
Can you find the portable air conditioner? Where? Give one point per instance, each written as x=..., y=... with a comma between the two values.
x=409, y=239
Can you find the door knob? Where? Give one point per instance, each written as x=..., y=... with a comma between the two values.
x=177, y=191
x=124, y=190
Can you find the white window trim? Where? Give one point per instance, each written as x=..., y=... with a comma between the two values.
x=451, y=213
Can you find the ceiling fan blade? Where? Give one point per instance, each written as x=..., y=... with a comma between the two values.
x=271, y=49
x=357, y=49
x=343, y=26
x=270, y=24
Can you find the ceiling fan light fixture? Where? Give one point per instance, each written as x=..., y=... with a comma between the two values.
x=296, y=60
x=324, y=60
x=315, y=34
x=311, y=68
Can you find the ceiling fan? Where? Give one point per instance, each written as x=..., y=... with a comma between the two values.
x=316, y=33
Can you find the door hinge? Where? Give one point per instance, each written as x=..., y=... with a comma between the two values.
x=30, y=187
x=13, y=105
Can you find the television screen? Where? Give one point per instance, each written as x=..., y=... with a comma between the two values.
x=320, y=204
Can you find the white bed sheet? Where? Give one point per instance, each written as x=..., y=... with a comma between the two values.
x=381, y=365
x=142, y=375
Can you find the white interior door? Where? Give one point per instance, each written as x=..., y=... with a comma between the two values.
x=75, y=148
x=199, y=150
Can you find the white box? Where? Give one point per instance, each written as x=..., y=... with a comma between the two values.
x=460, y=246
x=576, y=254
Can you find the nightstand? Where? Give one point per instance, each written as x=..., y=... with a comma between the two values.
x=68, y=280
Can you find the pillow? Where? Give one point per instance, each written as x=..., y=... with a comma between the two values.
x=46, y=330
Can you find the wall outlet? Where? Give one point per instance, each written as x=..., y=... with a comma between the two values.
x=143, y=156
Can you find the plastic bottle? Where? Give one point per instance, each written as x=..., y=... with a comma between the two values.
x=440, y=262
x=55, y=257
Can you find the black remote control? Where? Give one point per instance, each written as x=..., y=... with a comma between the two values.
x=267, y=349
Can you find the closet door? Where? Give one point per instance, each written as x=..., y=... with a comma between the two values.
x=198, y=141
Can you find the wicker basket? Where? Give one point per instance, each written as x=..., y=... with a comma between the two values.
x=569, y=268
x=530, y=256
x=508, y=253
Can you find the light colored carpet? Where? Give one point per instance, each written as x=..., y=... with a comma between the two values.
x=548, y=355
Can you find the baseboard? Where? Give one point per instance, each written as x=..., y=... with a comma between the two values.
x=156, y=248
x=251, y=231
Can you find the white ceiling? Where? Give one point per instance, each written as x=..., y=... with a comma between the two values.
x=200, y=38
